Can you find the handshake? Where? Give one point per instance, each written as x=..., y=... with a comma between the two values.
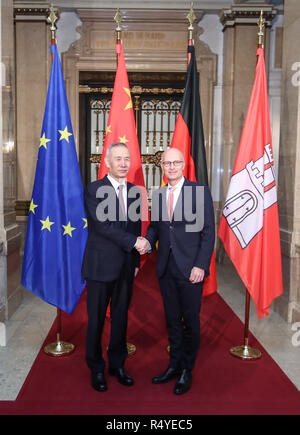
x=142, y=245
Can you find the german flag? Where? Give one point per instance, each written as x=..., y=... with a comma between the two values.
x=188, y=134
x=188, y=137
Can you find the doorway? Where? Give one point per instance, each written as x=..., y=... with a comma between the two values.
x=156, y=99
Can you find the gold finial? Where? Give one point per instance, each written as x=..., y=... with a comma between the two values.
x=51, y=19
x=191, y=17
x=261, y=25
x=118, y=20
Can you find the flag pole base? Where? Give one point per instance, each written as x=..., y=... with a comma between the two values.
x=59, y=348
x=245, y=352
x=131, y=348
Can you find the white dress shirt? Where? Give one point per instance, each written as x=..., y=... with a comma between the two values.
x=176, y=191
x=116, y=185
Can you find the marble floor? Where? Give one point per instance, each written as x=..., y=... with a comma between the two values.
x=28, y=327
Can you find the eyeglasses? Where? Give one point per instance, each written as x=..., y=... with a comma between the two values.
x=176, y=163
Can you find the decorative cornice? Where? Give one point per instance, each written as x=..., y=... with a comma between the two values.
x=32, y=12
x=208, y=6
x=136, y=4
x=137, y=15
x=247, y=14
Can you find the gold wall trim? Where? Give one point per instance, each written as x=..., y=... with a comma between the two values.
x=85, y=89
x=22, y=208
x=146, y=158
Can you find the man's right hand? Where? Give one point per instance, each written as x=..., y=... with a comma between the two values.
x=142, y=245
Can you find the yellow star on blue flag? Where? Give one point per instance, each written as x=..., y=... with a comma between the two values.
x=68, y=229
x=64, y=134
x=43, y=141
x=46, y=224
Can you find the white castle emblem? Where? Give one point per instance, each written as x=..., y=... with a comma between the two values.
x=251, y=191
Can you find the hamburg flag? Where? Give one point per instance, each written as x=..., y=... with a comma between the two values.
x=121, y=128
x=249, y=226
x=188, y=137
x=56, y=229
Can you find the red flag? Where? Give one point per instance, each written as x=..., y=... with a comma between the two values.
x=249, y=225
x=188, y=137
x=121, y=128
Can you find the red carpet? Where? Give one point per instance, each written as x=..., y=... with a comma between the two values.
x=222, y=384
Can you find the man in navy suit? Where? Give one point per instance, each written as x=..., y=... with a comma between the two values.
x=110, y=264
x=182, y=221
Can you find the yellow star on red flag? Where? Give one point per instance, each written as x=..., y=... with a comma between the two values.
x=129, y=104
x=123, y=139
x=108, y=129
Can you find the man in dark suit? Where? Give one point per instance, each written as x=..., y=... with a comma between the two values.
x=110, y=264
x=182, y=221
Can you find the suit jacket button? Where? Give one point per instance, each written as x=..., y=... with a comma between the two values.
x=171, y=227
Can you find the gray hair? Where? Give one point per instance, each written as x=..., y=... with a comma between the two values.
x=114, y=145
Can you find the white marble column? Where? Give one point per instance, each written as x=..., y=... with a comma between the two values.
x=289, y=164
x=10, y=288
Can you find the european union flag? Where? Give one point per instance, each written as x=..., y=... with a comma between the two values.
x=57, y=225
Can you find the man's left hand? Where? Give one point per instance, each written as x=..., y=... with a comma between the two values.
x=196, y=275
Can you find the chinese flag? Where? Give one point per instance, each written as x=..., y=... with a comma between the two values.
x=249, y=225
x=188, y=137
x=121, y=128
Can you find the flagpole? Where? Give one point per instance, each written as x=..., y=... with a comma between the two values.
x=245, y=351
x=191, y=17
x=58, y=348
x=118, y=19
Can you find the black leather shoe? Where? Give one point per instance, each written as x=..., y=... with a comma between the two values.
x=98, y=381
x=184, y=382
x=122, y=376
x=166, y=376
